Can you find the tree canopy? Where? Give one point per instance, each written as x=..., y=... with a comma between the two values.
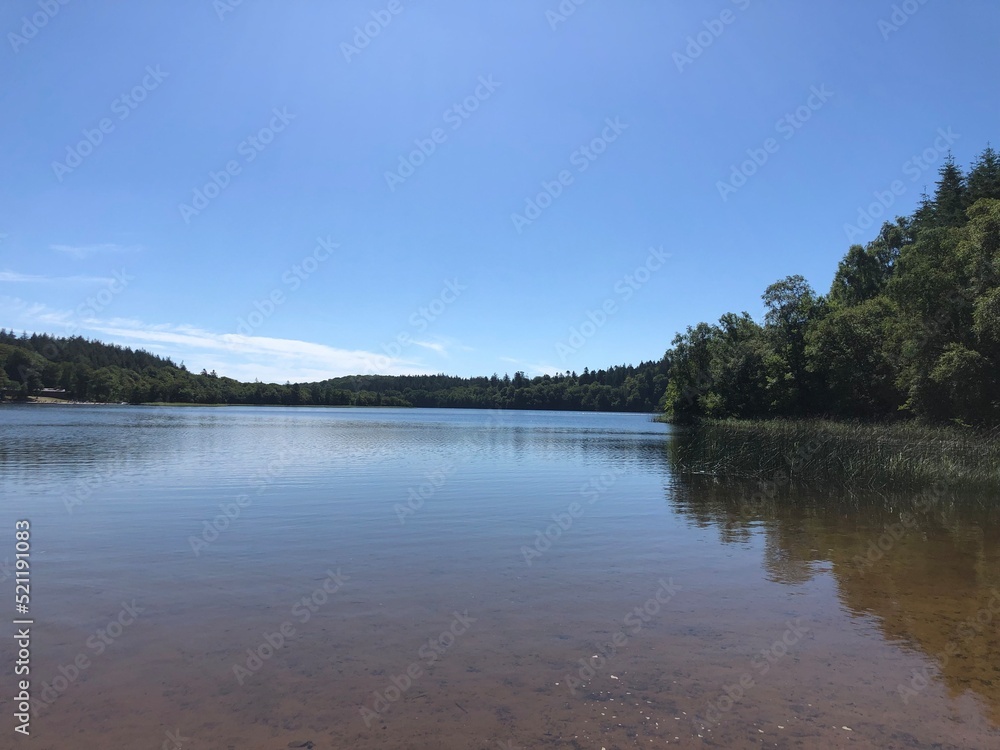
x=909, y=328
x=94, y=371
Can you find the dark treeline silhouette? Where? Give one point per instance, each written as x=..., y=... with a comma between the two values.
x=94, y=371
x=909, y=328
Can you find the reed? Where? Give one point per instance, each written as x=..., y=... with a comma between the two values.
x=900, y=455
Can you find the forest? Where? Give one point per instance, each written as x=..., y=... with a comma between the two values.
x=94, y=371
x=909, y=329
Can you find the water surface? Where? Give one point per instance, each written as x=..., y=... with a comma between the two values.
x=491, y=555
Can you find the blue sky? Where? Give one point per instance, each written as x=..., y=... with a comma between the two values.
x=457, y=187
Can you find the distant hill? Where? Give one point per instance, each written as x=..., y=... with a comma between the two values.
x=95, y=371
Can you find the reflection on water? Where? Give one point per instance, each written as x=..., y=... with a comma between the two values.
x=925, y=567
x=224, y=525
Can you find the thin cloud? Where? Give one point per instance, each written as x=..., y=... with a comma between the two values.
x=280, y=359
x=247, y=358
x=24, y=278
x=434, y=346
x=86, y=251
x=443, y=345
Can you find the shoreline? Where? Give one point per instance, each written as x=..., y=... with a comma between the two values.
x=42, y=401
x=903, y=455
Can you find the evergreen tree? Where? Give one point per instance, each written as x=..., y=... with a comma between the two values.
x=984, y=179
x=949, y=198
x=925, y=217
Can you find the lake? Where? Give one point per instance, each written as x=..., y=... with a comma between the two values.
x=378, y=578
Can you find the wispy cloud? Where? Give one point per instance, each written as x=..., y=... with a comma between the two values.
x=26, y=278
x=86, y=251
x=247, y=358
x=253, y=356
x=442, y=345
x=434, y=346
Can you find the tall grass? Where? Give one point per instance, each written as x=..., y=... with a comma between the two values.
x=901, y=455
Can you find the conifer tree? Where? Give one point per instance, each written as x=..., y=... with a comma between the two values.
x=949, y=198
x=984, y=179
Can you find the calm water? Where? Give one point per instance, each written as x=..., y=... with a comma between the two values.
x=252, y=577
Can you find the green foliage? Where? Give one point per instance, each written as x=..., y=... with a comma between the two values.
x=949, y=199
x=93, y=371
x=847, y=348
x=861, y=276
x=984, y=179
x=909, y=328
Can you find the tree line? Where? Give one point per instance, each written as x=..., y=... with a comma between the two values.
x=94, y=371
x=909, y=328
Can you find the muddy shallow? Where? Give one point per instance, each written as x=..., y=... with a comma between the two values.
x=366, y=584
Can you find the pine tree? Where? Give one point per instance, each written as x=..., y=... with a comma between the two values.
x=949, y=199
x=984, y=179
x=925, y=217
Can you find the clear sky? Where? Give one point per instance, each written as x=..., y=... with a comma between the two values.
x=294, y=191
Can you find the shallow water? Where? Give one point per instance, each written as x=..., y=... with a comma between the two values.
x=460, y=571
